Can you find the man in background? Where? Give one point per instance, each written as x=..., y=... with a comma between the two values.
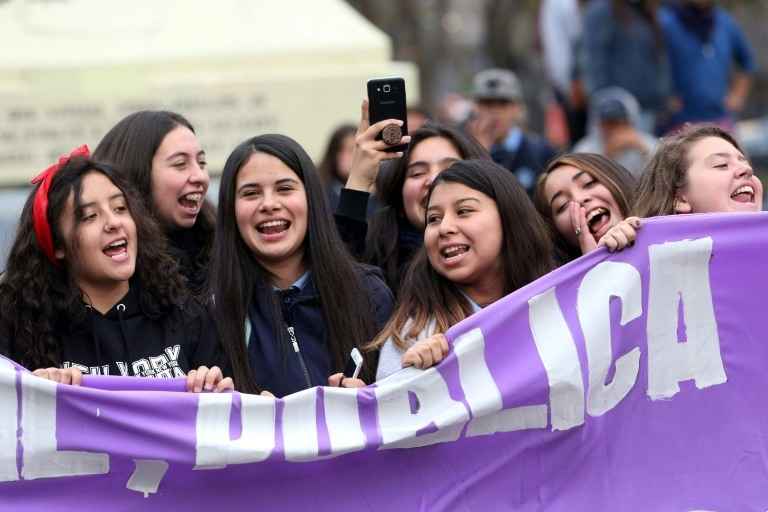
x=498, y=125
x=711, y=62
x=615, y=130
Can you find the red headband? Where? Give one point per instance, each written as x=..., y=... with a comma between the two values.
x=40, y=205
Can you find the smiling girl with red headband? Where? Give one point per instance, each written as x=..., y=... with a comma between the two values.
x=90, y=288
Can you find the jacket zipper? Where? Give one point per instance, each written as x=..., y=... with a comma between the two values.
x=295, y=343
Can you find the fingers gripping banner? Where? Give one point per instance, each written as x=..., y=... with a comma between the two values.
x=634, y=381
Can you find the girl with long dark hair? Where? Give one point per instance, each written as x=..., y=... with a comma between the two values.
x=483, y=240
x=90, y=288
x=290, y=302
x=395, y=232
x=336, y=164
x=159, y=154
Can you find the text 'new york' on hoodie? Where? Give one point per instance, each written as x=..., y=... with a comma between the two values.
x=129, y=341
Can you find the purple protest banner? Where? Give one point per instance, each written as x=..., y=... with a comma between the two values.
x=633, y=381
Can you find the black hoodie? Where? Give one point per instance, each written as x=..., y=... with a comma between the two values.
x=190, y=251
x=128, y=340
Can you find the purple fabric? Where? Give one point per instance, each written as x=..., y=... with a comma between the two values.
x=705, y=448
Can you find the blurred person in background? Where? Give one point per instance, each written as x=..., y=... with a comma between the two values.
x=624, y=47
x=418, y=116
x=337, y=161
x=560, y=27
x=704, y=44
x=454, y=109
x=614, y=130
x=498, y=126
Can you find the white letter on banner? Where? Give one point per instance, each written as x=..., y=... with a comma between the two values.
x=680, y=271
x=8, y=419
x=483, y=395
x=38, y=423
x=300, y=426
x=214, y=448
x=606, y=280
x=435, y=408
x=561, y=361
x=343, y=420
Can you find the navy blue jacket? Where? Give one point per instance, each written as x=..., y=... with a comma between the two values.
x=352, y=223
x=275, y=364
x=527, y=162
x=189, y=249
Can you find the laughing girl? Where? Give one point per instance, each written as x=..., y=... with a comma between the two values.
x=90, y=288
x=582, y=196
x=702, y=169
x=160, y=156
x=396, y=232
x=290, y=302
x=483, y=240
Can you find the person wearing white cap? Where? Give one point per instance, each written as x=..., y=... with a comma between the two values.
x=497, y=125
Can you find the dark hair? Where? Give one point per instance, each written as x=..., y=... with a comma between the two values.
x=526, y=250
x=383, y=243
x=236, y=275
x=328, y=168
x=667, y=172
x=38, y=297
x=131, y=145
x=619, y=182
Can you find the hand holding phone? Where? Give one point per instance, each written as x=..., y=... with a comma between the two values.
x=369, y=152
x=386, y=100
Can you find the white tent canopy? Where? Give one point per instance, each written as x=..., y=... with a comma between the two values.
x=235, y=68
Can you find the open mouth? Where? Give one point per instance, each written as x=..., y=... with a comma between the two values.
x=744, y=194
x=598, y=219
x=273, y=227
x=452, y=252
x=117, y=250
x=192, y=201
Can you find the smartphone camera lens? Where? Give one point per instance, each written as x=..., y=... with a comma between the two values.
x=387, y=88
